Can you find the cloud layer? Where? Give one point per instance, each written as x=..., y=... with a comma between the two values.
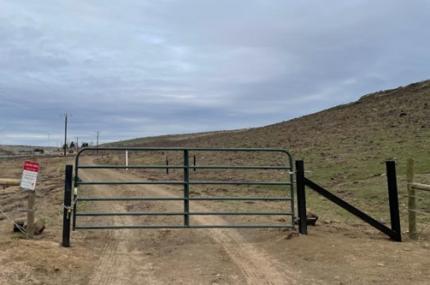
x=139, y=68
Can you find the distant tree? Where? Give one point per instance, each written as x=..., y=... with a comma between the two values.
x=84, y=144
x=72, y=145
x=65, y=147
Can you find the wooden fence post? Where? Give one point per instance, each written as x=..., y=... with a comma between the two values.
x=30, y=214
x=411, y=200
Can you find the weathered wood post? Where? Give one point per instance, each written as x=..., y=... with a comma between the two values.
x=412, y=215
x=31, y=196
x=28, y=184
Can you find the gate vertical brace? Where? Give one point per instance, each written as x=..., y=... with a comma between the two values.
x=186, y=188
x=292, y=188
x=67, y=205
x=301, y=197
x=393, y=200
x=75, y=200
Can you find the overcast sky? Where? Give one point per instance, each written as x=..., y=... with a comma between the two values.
x=140, y=68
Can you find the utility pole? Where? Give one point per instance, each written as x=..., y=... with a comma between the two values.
x=65, y=134
x=97, y=144
x=77, y=144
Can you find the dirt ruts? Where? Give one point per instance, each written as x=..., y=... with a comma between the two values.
x=121, y=262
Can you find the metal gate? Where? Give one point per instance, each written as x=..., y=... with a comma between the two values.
x=283, y=167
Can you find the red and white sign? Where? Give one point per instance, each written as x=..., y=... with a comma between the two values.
x=29, y=175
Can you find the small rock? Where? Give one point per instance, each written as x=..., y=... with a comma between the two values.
x=380, y=264
x=292, y=235
x=39, y=227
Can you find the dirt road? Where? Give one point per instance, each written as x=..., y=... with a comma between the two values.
x=333, y=253
x=215, y=256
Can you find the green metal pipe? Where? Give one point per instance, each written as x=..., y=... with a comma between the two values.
x=181, y=167
x=95, y=214
x=255, y=226
x=130, y=182
x=181, y=199
x=163, y=182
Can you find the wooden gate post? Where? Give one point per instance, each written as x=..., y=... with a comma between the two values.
x=412, y=215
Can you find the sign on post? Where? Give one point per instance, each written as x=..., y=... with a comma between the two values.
x=29, y=175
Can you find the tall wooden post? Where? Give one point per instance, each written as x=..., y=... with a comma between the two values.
x=30, y=214
x=412, y=215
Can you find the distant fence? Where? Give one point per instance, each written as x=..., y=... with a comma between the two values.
x=8, y=156
x=412, y=199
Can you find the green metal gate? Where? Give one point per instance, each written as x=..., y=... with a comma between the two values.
x=285, y=168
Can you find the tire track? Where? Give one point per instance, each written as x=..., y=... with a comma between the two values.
x=117, y=265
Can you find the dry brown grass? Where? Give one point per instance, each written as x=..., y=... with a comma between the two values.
x=345, y=147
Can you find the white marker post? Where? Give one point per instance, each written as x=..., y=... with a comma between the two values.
x=28, y=183
x=126, y=160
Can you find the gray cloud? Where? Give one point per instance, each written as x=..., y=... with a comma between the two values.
x=137, y=68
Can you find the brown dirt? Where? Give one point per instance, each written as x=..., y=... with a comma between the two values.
x=253, y=266
x=333, y=253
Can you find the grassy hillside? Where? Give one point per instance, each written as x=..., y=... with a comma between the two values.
x=345, y=147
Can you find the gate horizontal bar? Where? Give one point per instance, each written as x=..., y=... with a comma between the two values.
x=182, y=166
x=95, y=214
x=183, y=148
x=182, y=183
x=256, y=226
x=130, y=182
x=239, y=183
x=131, y=199
x=107, y=166
x=181, y=199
